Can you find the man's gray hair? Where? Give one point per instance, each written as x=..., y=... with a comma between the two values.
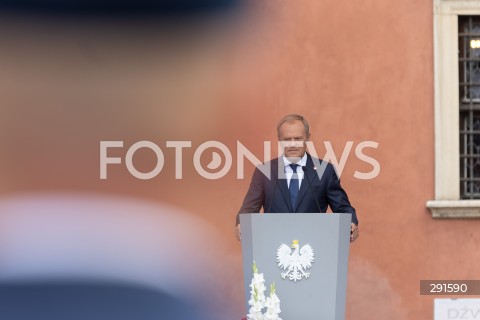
x=293, y=117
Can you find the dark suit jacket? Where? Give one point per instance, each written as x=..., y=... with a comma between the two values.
x=273, y=195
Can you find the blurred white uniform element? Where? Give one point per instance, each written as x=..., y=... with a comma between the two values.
x=88, y=237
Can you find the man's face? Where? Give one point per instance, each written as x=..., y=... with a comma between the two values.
x=292, y=135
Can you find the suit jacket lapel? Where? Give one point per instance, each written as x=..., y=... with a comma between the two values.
x=282, y=182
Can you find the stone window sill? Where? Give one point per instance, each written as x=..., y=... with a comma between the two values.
x=454, y=209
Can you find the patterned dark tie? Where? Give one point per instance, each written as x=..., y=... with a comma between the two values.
x=293, y=188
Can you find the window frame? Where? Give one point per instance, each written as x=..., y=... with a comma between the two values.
x=447, y=202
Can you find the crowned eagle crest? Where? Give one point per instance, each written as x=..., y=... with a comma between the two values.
x=295, y=262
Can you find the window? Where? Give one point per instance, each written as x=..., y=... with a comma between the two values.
x=457, y=109
x=469, y=82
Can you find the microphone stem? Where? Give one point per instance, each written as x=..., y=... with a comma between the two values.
x=304, y=168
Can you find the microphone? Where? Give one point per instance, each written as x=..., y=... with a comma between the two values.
x=273, y=195
x=304, y=168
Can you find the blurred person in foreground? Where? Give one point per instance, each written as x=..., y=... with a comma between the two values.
x=88, y=256
x=293, y=194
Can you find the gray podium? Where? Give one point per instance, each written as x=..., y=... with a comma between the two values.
x=322, y=295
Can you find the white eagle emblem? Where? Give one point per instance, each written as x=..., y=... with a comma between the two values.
x=295, y=262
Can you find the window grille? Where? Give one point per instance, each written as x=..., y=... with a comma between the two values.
x=469, y=81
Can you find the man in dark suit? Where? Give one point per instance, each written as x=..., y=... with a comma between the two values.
x=284, y=188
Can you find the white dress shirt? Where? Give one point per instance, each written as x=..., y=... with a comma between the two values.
x=289, y=171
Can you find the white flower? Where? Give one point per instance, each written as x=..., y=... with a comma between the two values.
x=256, y=307
x=271, y=317
x=258, y=301
x=273, y=306
x=255, y=316
x=258, y=278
